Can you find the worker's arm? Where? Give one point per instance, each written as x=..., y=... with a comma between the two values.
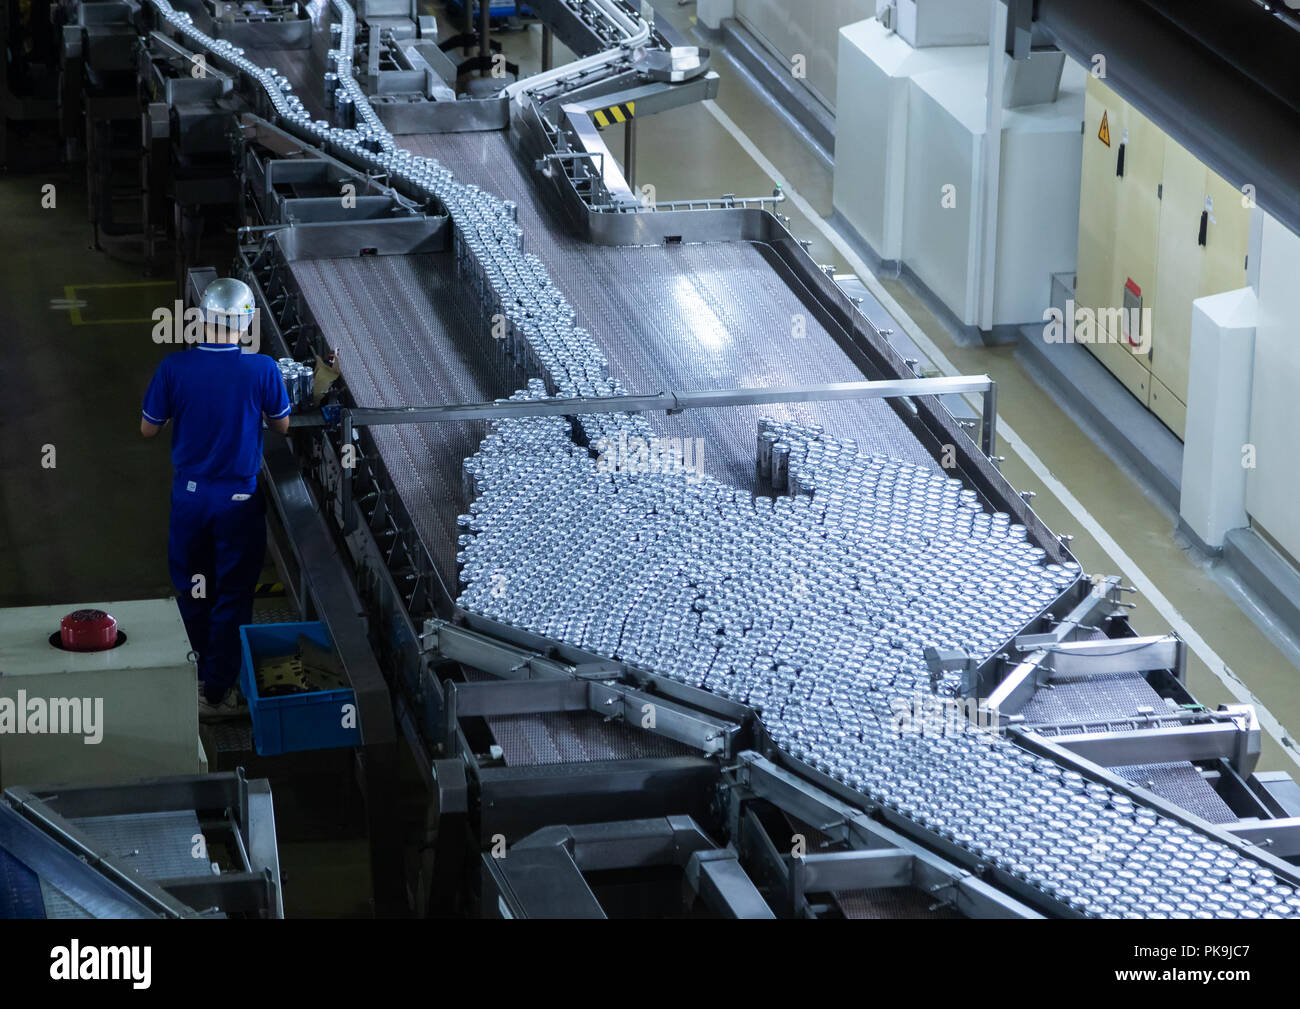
x=156, y=410
x=280, y=425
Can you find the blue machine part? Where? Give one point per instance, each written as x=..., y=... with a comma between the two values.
x=20, y=889
x=40, y=878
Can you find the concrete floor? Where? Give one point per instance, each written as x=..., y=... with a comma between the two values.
x=93, y=526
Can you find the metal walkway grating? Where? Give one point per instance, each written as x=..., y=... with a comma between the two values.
x=156, y=845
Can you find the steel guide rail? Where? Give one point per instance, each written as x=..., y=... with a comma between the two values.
x=369, y=143
x=513, y=654
x=348, y=418
x=483, y=645
x=671, y=402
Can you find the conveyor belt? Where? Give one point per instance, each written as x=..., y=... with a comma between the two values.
x=1097, y=702
x=20, y=889
x=156, y=845
x=563, y=737
x=568, y=737
x=303, y=68
x=1182, y=784
x=892, y=903
x=685, y=317
x=398, y=322
x=1093, y=700
x=409, y=335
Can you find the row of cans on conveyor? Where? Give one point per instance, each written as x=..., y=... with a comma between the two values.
x=529, y=319
x=532, y=320
x=370, y=134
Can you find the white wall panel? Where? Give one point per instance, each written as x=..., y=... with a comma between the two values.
x=1273, y=486
x=810, y=28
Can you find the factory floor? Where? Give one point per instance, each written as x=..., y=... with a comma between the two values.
x=83, y=499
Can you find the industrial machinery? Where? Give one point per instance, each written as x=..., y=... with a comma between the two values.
x=182, y=847
x=686, y=593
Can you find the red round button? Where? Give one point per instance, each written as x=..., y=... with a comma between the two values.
x=88, y=631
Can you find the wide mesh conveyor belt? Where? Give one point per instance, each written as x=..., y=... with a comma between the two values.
x=1092, y=703
x=571, y=737
x=673, y=318
x=400, y=325
x=692, y=317
x=407, y=334
x=686, y=317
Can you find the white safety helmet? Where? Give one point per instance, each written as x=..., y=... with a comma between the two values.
x=228, y=303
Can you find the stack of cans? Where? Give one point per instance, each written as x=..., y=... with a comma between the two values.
x=298, y=379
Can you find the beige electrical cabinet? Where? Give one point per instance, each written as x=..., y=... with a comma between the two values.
x=1140, y=246
x=1194, y=197
x=1120, y=215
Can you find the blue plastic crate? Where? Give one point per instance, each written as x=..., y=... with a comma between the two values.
x=497, y=8
x=312, y=721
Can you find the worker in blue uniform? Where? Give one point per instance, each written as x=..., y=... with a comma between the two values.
x=216, y=396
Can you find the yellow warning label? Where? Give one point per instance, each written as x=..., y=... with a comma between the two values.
x=614, y=114
x=1103, y=134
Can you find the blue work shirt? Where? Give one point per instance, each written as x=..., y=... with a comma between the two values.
x=215, y=396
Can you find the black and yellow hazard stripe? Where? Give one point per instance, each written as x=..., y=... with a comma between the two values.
x=265, y=589
x=614, y=114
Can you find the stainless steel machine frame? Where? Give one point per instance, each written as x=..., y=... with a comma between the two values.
x=239, y=809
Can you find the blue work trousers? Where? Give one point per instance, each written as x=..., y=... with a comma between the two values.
x=216, y=544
